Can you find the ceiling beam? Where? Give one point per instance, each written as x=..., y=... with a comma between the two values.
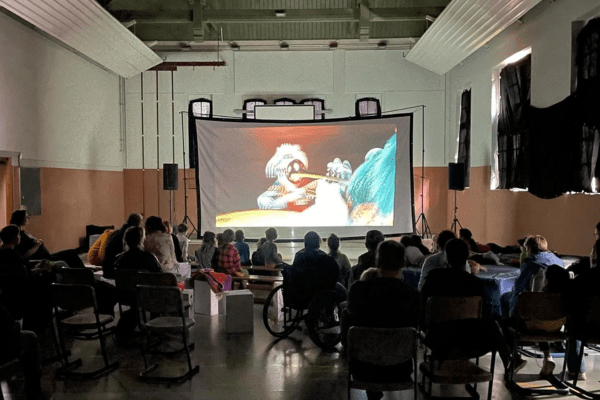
x=364, y=24
x=172, y=65
x=198, y=21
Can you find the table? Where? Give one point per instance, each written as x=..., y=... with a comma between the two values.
x=264, y=278
x=497, y=280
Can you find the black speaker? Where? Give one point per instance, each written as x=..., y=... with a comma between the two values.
x=456, y=176
x=170, y=177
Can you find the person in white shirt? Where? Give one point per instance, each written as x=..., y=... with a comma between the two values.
x=437, y=260
x=183, y=241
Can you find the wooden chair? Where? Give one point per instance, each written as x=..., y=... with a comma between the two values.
x=457, y=369
x=541, y=307
x=382, y=347
x=588, y=334
x=75, y=299
x=158, y=300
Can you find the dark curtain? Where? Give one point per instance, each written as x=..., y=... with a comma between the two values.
x=513, y=124
x=192, y=137
x=464, y=135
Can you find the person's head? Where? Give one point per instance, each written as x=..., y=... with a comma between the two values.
x=271, y=234
x=220, y=241
x=155, y=224
x=168, y=227
x=182, y=229
x=443, y=238
x=239, y=235
x=134, y=238
x=10, y=235
x=334, y=243
x=208, y=241
x=535, y=244
x=228, y=236
x=597, y=231
x=416, y=239
x=373, y=238
x=465, y=234
x=390, y=256
x=557, y=279
x=134, y=219
x=312, y=240
x=406, y=241
x=261, y=242
x=457, y=253
x=19, y=218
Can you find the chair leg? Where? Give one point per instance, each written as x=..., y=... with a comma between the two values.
x=492, y=369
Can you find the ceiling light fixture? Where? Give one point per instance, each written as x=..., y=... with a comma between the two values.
x=280, y=13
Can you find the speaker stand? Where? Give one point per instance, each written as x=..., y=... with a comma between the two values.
x=186, y=218
x=455, y=221
x=425, y=230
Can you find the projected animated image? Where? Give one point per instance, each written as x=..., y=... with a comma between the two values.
x=331, y=193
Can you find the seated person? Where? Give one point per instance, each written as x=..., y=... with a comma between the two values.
x=418, y=242
x=229, y=258
x=242, y=248
x=34, y=249
x=95, y=255
x=25, y=347
x=313, y=270
x=135, y=257
x=207, y=252
x=114, y=246
x=257, y=258
x=178, y=253
x=466, y=236
x=333, y=242
x=367, y=260
x=538, y=258
x=160, y=243
x=269, y=249
x=183, y=241
x=412, y=254
x=382, y=302
x=437, y=260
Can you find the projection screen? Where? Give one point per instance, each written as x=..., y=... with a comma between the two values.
x=334, y=176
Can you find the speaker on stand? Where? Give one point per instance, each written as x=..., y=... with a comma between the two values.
x=170, y=183
x=456, y=182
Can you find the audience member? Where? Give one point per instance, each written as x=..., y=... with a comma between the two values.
x=367, y=260
x=383, y=302
x=242, y=248
x=595, y=248
x=269, y=249
x=207, y=252
x=95, y=255
x=313, y=271
x=34, y=249
x=229, y=258
x=24, y=346
x=160, y=243
x=418, y=242
x=412, y=254
x=135, y=257
x=465, y=235
x=345, y=270
x=437, y=260
x=114, y=246
x=538, y=258
x=257, y=258
x=183, y=241
x=178, y=253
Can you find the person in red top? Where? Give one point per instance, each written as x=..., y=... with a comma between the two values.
x=229, y=258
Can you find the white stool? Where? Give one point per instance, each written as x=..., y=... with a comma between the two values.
x=239, y=311
x=205, y=300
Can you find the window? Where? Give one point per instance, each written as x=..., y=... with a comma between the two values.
x=202, y=108
x=368, y=107
x=249, y=106
x=285, y=102
x=464, y=136
x=319, y=105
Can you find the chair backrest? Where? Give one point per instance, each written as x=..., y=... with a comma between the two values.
x=382, y=346
x=538, y=281
x=77, y=276
x=73, y=297
x=13, y=295
x=155, y=279
x=159, y=299
x=126, y=281
x=540, y=306
x=441, y=309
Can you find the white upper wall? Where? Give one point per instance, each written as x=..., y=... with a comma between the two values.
x=339, y=77
x=547, y=30
x=56, y=108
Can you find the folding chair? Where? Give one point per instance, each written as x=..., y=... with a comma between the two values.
x=456, y=369
x=382, y=347
x=74, y=299
x=163, y=300
x=125, y=281
x=589, y=334
x=541, y=307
